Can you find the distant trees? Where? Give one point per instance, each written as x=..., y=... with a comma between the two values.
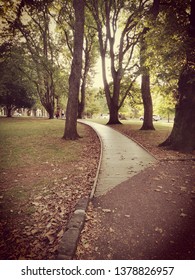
x=31, y=23
x=15, y=91
x=35, y=25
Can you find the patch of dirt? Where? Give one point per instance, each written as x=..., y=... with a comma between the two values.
x=37, y=202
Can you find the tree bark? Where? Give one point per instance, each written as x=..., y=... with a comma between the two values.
x=113, y=109
x=147, y=101
x=182, y=137
x=70, y=131
x=81, y=102
x=145, y=82
x=9, y=111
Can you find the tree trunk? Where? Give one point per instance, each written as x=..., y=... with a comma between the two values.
x=81, y=103
x=50, y=111
x=114, y=102
x=49, y=107
x=9, y=111
x=81, y=108
x=145, y=86
x=70, y=131
x=182, y=136
x=147, y=101
x=113, y=109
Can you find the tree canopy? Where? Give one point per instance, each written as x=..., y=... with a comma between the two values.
x=151, y=41
x=15, y=90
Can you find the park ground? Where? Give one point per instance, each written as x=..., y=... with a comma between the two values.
x=149, y=216
x=43, y=177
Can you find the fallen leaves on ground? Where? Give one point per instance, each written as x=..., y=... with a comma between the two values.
x=35, y=207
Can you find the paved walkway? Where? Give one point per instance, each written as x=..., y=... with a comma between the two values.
x=122, y=158
x=139, y=211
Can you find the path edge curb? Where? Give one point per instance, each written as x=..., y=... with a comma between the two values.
x=68, y=244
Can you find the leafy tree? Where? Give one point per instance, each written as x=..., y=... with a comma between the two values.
x=15, y=91
x=14, y=96
x=66, y=22
x=89, y=60
x=118, y=34
x=182, y=136
x=145, y=70
x=94, y=104
x=164, y=57
x=164, y=96
x=34, y=22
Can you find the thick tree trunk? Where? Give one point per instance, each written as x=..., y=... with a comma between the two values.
x=113, y=109
x=145, y=86
x=49, y=107
x=75, y=75
x=50, y=111
x=182, y=136
x=147, y=102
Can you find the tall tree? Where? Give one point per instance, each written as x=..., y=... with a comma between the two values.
x=182, y=136
x=70, y=131
x=15, y=90
x=33, y=20
x=145, y=72
x=89, y=59
x=65, y=21
x=118, y=33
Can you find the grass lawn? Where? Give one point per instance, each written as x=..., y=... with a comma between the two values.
x=26, y=141
x=42, y=176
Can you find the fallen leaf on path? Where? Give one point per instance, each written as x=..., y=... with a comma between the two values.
x=111, y=230
x=106, y=210
x=183, y=215
x=160, y=230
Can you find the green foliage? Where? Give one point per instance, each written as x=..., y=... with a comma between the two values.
x=13, y=95
x=94, y=103
x=15, y=91
x=166, y=40
x=41, y=66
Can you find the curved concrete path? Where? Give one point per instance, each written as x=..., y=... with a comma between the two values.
x=121, y=159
